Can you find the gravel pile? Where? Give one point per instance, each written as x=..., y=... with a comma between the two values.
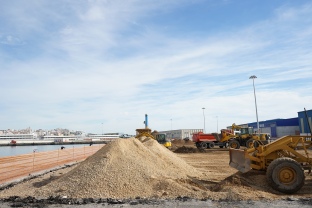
x=128, y=168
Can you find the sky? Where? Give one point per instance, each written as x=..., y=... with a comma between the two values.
x=99, y=66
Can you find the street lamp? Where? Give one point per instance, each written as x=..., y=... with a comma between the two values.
x=102, y=128
x=253, y=77
x=204, y=119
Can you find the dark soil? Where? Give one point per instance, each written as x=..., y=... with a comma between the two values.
x=15, y=201
x=185, y=149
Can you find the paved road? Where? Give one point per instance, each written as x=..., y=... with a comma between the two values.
x=176, y=203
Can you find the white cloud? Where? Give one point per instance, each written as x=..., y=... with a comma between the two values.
x=103, y=62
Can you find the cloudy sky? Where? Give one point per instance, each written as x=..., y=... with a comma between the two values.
x=101, y=65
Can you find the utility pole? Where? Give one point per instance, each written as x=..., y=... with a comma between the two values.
x=204, y=120
x=253, y=77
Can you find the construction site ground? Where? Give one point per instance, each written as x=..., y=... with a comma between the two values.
x=227, y=186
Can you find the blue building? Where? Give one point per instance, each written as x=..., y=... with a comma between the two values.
x=278, y=127
x=303, y=121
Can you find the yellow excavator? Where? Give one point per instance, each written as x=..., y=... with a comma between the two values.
x=284, y=161
x=243, y=137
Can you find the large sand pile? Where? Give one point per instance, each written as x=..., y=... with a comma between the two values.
x=128, y=168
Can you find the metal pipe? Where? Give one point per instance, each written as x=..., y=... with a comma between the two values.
x=146, y=121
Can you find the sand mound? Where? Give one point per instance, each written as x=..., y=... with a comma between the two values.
x=127, y=168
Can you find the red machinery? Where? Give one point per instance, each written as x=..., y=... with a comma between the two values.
x=204, y=141
x=13, y=142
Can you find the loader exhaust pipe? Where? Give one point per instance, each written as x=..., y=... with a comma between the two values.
x=308, y=120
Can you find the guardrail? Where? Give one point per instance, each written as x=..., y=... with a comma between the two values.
x=15, y=167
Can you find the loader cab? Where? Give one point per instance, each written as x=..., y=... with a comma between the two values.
x=245, y=131
x=162, y=139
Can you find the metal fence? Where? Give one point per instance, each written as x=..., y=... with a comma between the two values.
x=15, y=167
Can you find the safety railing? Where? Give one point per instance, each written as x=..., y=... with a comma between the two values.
x=15, y=167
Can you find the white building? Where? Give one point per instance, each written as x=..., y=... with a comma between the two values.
x=18, y=136
x=181, y=133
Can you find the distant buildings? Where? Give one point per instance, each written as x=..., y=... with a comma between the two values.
x=57, y=135
x=181, y=133
x=282, y=127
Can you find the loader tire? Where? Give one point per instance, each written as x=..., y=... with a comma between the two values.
x=285, y=175
x=234, y=144
x=250, y=143
x=203, y=145
x=197, y=145
x=211, y=145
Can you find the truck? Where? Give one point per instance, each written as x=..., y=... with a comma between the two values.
x=204, y=141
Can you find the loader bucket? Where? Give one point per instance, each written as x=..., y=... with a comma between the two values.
x=239, y=161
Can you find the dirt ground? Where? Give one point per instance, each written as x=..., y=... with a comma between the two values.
x=225, y=185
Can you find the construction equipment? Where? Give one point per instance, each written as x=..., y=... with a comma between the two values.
x=204, y=141
x=284, y=161
x=162, y=139
x=147, y=132
x=242, y=137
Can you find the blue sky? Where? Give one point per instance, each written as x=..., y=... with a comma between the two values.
x=102, y=65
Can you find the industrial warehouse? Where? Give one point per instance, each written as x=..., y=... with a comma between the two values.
x=275, y=127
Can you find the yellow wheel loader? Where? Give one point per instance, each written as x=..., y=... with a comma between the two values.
x=284, y=161
x=162, y=139
x=244, y=137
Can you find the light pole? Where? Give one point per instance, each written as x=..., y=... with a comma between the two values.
x=102, y=128
x=253, y=77
x=204, y=120
x=217, y=125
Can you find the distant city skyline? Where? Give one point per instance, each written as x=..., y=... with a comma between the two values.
x=57, y=131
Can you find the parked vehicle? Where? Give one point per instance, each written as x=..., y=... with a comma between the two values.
x=204, y=141
x=239, y=136
x=284, y=161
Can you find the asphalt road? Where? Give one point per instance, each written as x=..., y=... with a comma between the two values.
x=150, y=203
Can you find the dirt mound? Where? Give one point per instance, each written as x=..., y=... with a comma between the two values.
x=185, y=149
x=189, y=142
x=127, y=168
x=177, y=143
